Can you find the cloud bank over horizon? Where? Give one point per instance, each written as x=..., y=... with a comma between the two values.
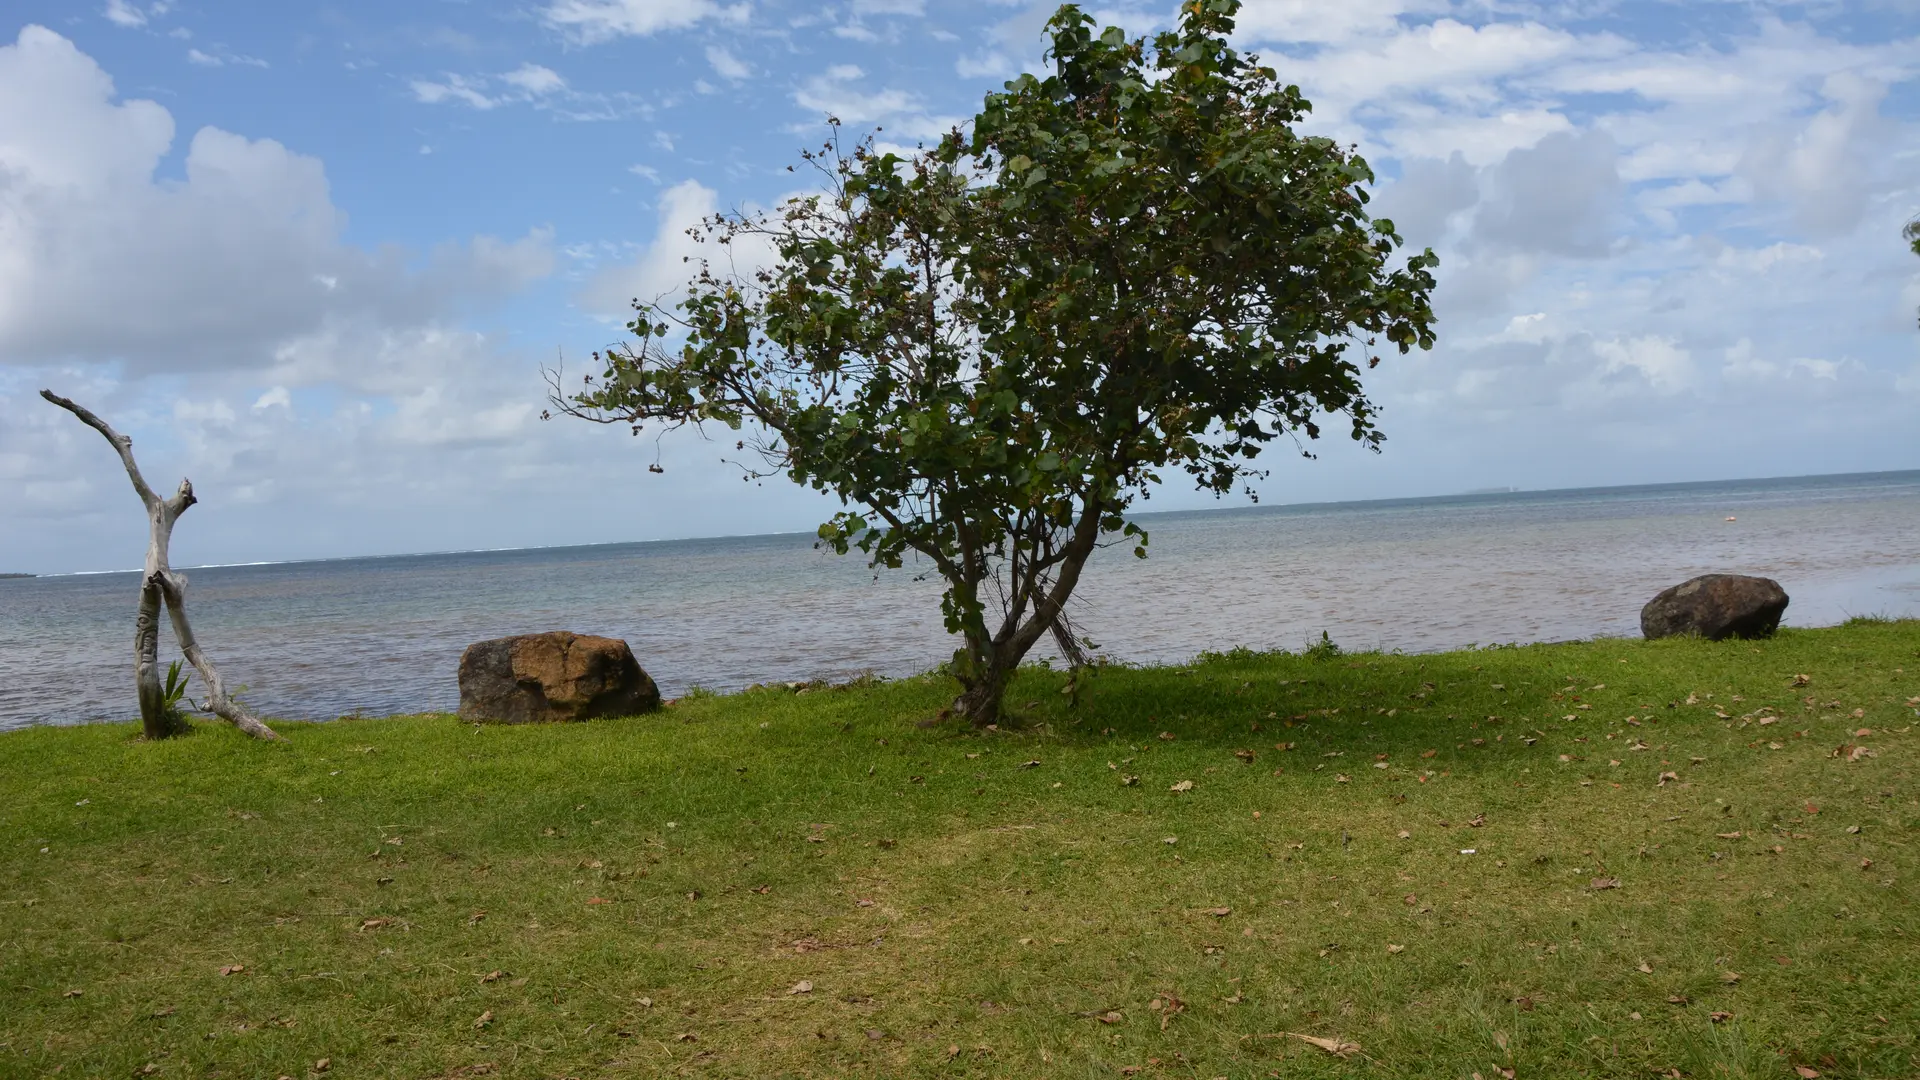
x=322, y=275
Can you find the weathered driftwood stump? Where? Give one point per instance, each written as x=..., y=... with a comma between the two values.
x=160, y=584
x=1715, y=607
x=537, y=678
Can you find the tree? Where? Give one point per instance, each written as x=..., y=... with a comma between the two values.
x=1912, y=235
x=160, y=715
x=990, y=350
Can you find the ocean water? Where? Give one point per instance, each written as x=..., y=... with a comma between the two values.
x=384, y=635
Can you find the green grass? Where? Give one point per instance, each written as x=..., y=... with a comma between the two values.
x=417, y=897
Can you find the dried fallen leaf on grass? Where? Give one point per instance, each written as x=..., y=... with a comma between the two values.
x=1806, y=1073
x=1168, y=1005
x=483, y=1019
x=1182, y=786
x=1605, y=883
x=232, y=969
x=801, y=987
x=1336, y=1047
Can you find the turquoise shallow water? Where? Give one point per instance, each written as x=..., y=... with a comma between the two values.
x=383, y=635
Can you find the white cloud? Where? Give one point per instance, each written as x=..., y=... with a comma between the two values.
x=834, y=93
x=535, y=80
x=1666, y=366
x=661, y=272
x=1826, y=168
x=987, y=64
x=592, y=21
x=122, y=13
x=1428, y=196
x=452, y=88
x=526, y=84
x=726, y=65
x=221, y=57
x=1322, y=22
x=1560, y=196
x=208, y=271
x=1445, y=60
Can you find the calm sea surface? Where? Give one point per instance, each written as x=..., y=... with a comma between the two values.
x=384, y=635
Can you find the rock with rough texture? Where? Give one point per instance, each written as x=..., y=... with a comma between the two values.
x=1716, y=606
x=537, y=678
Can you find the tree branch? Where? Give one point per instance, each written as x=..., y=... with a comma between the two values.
x=173, y=587
x=124, y=446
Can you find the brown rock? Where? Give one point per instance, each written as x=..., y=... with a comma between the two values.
x=536, y=678
x=1716, y=606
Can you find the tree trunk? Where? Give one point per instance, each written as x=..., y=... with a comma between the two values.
x=985, y=665
x=160, y=584
x=156, y=720
x=983, y=682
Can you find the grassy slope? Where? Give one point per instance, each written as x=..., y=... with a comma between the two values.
x=653, y=889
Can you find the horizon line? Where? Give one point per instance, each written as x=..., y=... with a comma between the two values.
x=1478, y=493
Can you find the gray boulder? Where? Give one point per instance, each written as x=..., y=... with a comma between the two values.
x=1715, y=607
x=535, y=678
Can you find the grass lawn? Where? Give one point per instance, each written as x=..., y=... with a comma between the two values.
x=1612, y=858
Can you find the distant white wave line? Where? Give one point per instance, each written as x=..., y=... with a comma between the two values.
x=200, y=566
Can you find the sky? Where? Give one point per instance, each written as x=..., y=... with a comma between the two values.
x=316, y=256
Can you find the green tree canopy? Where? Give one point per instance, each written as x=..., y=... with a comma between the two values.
x=1912, y=235
x=990, y=350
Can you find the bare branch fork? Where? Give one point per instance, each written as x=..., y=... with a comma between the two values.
x=157, y=585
